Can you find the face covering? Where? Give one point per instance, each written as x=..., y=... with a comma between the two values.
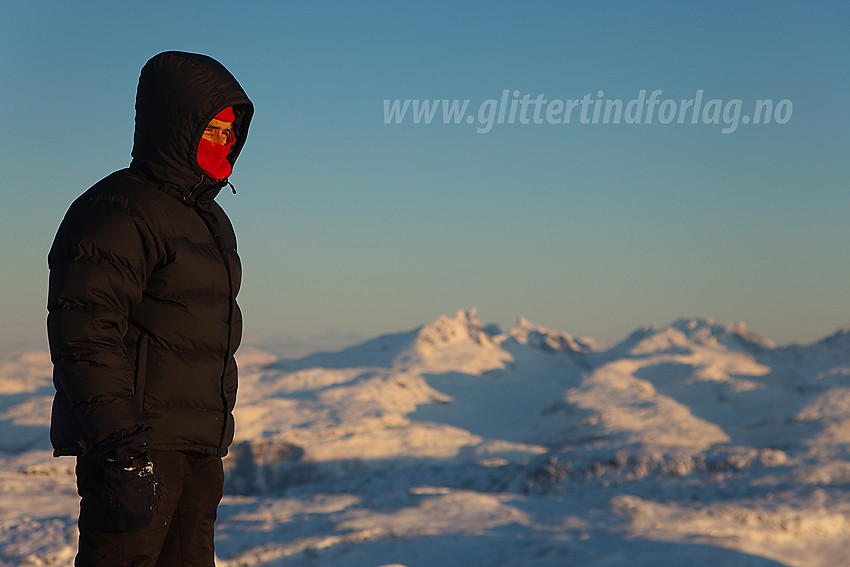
x=213, y=157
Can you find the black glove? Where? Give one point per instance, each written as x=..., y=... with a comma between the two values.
x=129, y=492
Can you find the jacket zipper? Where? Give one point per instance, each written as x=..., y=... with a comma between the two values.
x=215, y=229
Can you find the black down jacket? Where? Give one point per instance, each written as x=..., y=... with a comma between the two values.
x=142, y=314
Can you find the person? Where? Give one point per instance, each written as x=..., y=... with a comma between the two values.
x=143, y=324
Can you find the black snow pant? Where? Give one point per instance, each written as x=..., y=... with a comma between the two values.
x=182, y=531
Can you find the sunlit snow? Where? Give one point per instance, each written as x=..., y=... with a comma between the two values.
x=457, y=444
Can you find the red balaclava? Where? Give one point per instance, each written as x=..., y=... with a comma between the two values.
x=213, y=157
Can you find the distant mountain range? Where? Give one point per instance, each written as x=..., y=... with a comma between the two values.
x=456, y=390
x=698, y=433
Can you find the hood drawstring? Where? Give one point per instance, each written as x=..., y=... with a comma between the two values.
x=198, y=184
x=192, y=190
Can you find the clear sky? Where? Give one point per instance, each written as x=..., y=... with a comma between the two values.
x=350, y=227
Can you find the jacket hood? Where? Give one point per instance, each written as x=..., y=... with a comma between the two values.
x=178, y=94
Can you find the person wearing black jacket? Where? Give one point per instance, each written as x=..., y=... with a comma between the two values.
x=143, y=324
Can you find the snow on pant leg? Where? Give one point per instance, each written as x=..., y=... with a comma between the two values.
x=100, y=544
x=191, y=540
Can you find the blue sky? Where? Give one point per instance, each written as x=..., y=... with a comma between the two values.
x=350, y=227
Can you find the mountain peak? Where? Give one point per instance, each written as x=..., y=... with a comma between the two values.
x=686, y=332
x=530, y=334
x=696, y=324
x=444, y=330
x=458, y=343
x=834, y=348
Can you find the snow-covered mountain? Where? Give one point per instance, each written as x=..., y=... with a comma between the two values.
x=458, y=444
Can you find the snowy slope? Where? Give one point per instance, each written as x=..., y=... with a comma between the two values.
x=457, y=444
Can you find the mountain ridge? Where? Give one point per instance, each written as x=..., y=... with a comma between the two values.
x=464, y=434
x=466, y=327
